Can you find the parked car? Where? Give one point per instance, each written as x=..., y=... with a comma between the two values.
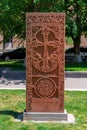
x=19, y=53
x=69, y=54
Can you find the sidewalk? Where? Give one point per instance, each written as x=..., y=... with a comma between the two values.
x=76, y=81
x=17, y=80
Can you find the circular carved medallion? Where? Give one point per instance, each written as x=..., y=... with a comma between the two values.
x=45, y=87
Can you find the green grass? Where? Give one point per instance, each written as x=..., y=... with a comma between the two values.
x=12, y=103
x=18, y=65
x=13, y=64
x=72, y=66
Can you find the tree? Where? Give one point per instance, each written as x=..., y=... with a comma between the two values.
x=76, y=22
x=12, y=18
x=76, y=18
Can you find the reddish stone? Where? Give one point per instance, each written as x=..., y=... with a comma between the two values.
x=45, y=62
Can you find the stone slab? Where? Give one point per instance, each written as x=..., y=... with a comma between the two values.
x=45, y=116
x=45, y=39
x=70, y=119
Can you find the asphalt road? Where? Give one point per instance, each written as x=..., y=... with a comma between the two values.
x=17, y=80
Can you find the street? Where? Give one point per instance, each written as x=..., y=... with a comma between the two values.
x=10, y=79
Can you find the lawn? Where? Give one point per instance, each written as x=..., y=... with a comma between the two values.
x=13, y=64
x=18, y=65
x=72, y=66
x=12, y=103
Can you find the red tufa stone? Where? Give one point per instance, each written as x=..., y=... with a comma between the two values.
x=45, y=37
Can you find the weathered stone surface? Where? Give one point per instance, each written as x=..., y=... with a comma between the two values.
x=45, y=62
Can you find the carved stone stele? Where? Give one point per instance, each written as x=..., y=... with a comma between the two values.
x=45, y=62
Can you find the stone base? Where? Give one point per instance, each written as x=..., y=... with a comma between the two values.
x=45, y=116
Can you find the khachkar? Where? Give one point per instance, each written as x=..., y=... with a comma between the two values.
x=45, y=66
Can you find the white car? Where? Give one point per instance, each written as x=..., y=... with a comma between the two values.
x=69, y=54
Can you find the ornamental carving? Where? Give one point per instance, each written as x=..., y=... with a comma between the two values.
x=45, y=87
x=45, y=38
x=45, y=62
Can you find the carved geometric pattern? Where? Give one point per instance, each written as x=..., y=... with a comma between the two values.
x=45, y=38
x=45, y=87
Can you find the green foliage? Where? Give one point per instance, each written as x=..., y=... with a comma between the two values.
x=69, y=41
x=12, y=16
x=49, y=5
x=76, y=21
x=76, y=17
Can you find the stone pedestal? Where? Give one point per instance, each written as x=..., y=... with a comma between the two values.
x=45, y=116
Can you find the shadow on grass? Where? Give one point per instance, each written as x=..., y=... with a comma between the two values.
x=16, y=115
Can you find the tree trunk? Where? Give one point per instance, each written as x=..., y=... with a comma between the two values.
x=7, y=39
x=77, y=42
x=3, y=43
x=11, y=41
